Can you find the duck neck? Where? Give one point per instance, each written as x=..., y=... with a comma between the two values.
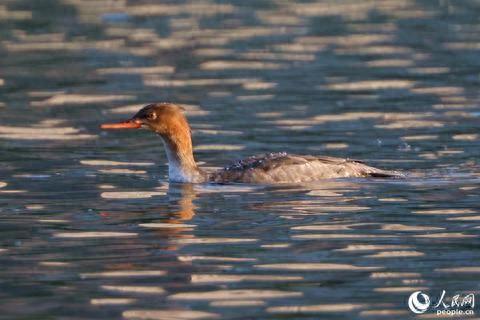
x=181, y=163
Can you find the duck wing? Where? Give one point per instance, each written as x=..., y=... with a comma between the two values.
x=289, y=168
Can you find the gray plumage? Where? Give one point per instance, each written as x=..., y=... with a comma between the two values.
x=290, y=168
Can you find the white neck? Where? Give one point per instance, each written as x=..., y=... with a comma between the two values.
x=180, y=167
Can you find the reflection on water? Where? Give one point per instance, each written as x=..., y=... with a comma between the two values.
x=91, y=228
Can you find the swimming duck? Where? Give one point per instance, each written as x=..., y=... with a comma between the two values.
x=169, y=122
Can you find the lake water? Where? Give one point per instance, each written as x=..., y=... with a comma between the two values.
x=91, y=228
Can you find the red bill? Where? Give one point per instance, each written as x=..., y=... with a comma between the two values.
x=121, y=125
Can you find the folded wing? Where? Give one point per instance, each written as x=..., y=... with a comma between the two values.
x=287, y=168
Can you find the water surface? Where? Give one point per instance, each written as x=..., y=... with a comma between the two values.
x=91, y=229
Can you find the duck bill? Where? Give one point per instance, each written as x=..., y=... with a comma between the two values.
x=121, y=125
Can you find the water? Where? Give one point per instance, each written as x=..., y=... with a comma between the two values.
x=91, y=229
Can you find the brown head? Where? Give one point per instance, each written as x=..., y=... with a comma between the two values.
x=168, y=120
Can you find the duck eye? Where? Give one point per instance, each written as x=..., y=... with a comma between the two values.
x=151, y=116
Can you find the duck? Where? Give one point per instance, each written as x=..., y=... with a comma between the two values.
x=168, y=120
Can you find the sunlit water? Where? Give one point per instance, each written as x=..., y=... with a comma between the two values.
x=91, y=229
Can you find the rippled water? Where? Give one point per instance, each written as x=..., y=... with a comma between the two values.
x=91, y=229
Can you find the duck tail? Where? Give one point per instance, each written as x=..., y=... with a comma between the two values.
x=386, y=174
